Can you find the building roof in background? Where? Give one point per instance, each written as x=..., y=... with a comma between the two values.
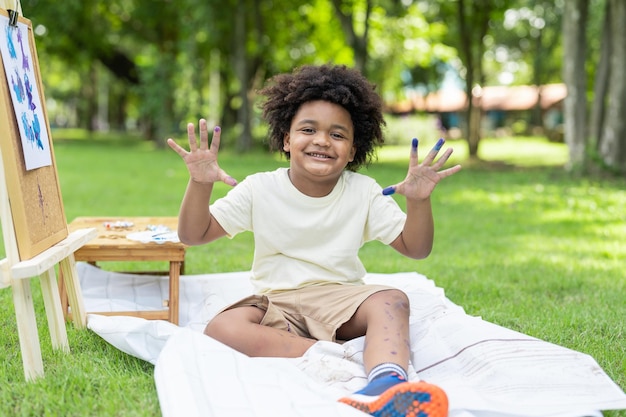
x=506, y=98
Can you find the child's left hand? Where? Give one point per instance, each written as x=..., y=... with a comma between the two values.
x=422, y=178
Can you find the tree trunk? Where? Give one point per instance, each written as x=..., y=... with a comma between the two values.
x=574, y=75
x=601, y=83
x=118, y=109
x=473, y=26
x=92, y=99
x=474, y=129
x=613, y=144
x=356, y=42
x=466, y=53
x=241, y=70
x=536, y=112
x=165, y=110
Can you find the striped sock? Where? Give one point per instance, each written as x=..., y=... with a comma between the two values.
x=383, y=377
x=385, y=368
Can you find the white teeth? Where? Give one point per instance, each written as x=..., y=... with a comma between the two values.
x=317, y=155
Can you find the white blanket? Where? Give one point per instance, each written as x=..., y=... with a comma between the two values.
x=485, y=369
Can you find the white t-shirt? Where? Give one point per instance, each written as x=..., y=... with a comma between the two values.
x=301, y=240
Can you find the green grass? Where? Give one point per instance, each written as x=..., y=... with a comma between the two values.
x=518, y=242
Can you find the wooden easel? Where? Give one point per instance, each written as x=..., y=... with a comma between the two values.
x=35, y=232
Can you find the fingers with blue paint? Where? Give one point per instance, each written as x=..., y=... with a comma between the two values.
x=439, y=145
x=392, y=188
x=389, y=190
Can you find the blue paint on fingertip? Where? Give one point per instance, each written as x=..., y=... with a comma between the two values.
x=439, y=144
x=389, y=190
x=414, y=143
x=217, y=129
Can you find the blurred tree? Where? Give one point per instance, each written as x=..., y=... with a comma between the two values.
x=474, y=21
x=575, y=108
x=139, y=43
x=612, y=140
x=407, y=55
x=355, y=30
x=242, y=69
x=526, y=47
x=160, y=32
x=163, y=63
x=81, y=41
x=600, y=77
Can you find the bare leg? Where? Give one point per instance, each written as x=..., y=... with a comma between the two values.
x=384, y=320
x=239, y=328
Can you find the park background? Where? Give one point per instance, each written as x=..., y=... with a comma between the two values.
x=530, y=235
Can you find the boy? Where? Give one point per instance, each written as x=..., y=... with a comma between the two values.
x=309, y=221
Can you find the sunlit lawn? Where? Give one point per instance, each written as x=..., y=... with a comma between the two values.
x=521, y=244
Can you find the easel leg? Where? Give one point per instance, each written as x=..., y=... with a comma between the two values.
x=52, y=302
x=27, y=329
x=63, y=295
x=73, y=291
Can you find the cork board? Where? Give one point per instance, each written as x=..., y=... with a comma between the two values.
x=34, y=195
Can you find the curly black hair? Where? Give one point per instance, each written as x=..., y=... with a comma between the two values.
x=338, y=84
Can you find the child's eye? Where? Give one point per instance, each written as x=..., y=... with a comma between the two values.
x=337, y=135
x=307, y=130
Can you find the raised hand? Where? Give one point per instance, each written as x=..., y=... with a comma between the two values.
x=422, y=178
x=202, y=161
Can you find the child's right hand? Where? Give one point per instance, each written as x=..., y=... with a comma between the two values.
x=202, y=161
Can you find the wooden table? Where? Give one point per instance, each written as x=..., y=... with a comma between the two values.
x=112, y=245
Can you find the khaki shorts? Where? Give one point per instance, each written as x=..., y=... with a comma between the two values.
x=313, y=312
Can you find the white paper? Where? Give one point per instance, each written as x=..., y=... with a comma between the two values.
x=18, y=67
x=486, y=370
x=154, y=237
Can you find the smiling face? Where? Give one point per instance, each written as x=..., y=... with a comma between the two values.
x=320, y=143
